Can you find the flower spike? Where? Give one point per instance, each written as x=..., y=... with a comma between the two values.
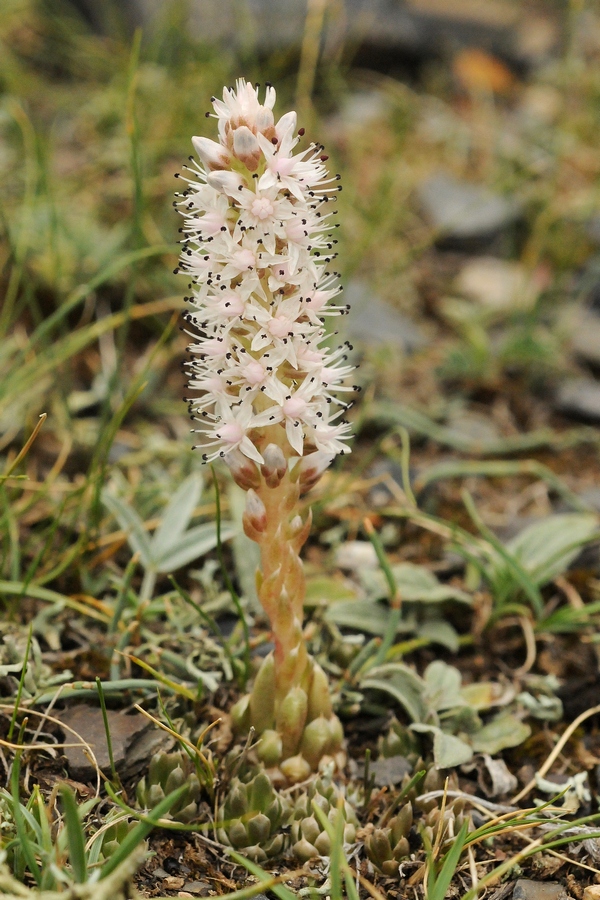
x=257, y=247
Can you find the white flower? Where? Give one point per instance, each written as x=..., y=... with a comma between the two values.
x=258, y=247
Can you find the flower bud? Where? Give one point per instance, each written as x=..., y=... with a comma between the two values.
x=246, y=147
x=213, y=155
x=255, y=516
x=226, y=182
x=245, y=471
x=275, y=465
x=311, y=467
x=299, y=531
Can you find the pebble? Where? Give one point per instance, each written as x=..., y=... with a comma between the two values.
x=585, y=337
x=477, y=427
x=88, y=722
x=173, y=882
x=499, y=285
x=579, y=397
x=525, y=889
x=374, y=322
x=389, y=771
x=356, y=555
x=197, y=887
x=464, y=215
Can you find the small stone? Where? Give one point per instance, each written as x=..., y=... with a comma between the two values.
x=159, y=872
x=585, y=337
x=390, y=771
x=173, y=882
x=591, y=892
x=88, y=722
x=465, y=423
x=197, y=887
x=143, y=747
x=579, y=397
x=374, y=322
x=465, y=216
x=497, y=284
x=355, y=555
x=525, y=889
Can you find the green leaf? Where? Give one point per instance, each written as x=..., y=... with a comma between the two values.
x=485, y=694
x=547, y=548
x=402, y=684
x=440, y=632
x=438, y=884
x=25, y=844
x=442, y=686
x=321, y=590
x=176, y=515
x=416, y=584
x=366, y=616
x=192, y=544
x=448, y=750
x=76, y=836
x=504, y=731
x=130, y=522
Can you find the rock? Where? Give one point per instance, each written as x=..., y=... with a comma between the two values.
x=539, y=890
x=585, y=336
x=199, y=887
x=591, y=892
x=466, y=216
x=88, y=722
x=173, y=882
x=374, y=322
x=144, y=747
x=389, y=771
x=580, y=398
x=498, y=285
x=479, y=428
x=355, y=555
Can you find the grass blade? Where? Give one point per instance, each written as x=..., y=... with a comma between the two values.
x=76, y=837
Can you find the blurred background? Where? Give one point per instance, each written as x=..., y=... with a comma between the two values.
x=466, y=134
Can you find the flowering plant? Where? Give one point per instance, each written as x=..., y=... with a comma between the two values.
x=257, y=248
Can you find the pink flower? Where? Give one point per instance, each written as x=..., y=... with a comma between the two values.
x=257, y=247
